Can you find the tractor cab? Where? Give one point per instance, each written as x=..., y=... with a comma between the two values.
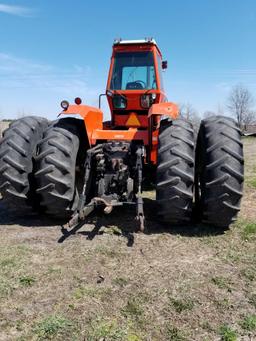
x=134, y=82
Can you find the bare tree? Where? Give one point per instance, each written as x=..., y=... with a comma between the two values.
x=249, y=118
x=187, y=112
x=240, y=102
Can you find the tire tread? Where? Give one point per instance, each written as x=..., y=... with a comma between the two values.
x=175, y=171
x=220, y=168
x=18, y=148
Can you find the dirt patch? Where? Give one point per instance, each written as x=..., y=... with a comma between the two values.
x=190, y=283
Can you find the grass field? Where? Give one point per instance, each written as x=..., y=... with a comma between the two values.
x=190, y=283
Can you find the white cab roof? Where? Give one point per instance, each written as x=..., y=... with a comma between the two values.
x=131, y=42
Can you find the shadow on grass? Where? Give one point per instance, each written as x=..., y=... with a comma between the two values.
x=25, y=217
x=123, y=218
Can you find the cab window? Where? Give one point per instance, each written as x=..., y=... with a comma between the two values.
x=133, y=71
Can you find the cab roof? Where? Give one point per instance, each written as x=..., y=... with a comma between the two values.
x=121, y=45
x=135, y=42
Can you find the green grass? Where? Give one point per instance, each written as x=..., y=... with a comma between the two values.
x=133, y=308
x=27, y=281
x=95, y=292
x=120, y=281
x=249, y=231
x=222, y=282
x=207, y=326
x=107, y=251
x=6, y=287
x=249, y=273
x=113, y=230
x=8, y=263
x=249, y=323
x=52, y=327
x=227, y=333
x=53, y=270
x=12, y=260
x=180, y=305
x=252, y=182
x=133, y=337
x=232, y=255
x=252, y=300
x=111, y=330
x=135, y=312
x=222, y=303
x=101, y=329
x=174, y=334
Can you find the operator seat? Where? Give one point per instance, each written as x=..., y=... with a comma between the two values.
x=134, y=86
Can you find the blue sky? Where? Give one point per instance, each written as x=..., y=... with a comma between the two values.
x=58, y=49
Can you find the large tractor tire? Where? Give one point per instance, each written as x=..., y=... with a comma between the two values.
x=175, y=171
x=56, y=166
x=220, y=170
x=18, y=147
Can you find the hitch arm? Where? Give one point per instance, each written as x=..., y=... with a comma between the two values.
x=140, y=211
x=82, y=210
x=80, y=216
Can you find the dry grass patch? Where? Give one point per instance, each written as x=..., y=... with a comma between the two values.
x=192, y=283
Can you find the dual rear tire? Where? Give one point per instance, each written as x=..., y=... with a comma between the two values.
x=220, y=171
x=175, y=171
x=39, y=164
x=18, y=149
x=61, y=155
x=207, y=179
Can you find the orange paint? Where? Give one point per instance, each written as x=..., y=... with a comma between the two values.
x=131, y=121
x=166, y=109
x=120, y=135
x=93, y=117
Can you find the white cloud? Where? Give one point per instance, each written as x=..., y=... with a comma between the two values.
x=18, y=66
x=16, y=10
x=22, y=73
x=36, y=87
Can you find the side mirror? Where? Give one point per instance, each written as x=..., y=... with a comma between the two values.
x=164, y=64
x=101, y=95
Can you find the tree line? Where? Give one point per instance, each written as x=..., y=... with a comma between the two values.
x=239, y=105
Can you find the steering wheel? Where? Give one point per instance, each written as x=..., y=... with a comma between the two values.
x=142, y=83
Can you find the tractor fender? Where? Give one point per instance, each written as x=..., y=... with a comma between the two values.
x=168, y=109
x=93, y=117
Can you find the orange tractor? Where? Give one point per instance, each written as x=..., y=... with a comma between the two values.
x=70, y=166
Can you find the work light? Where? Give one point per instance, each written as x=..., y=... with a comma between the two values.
x=64, y=105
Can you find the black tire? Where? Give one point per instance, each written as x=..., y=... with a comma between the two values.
x=175, y=171
x=220, y=170
x=18, y=148
x=56, y=166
